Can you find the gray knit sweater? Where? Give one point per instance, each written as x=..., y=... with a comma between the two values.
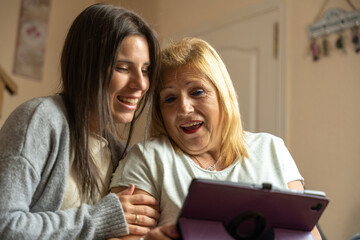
x=34, y=162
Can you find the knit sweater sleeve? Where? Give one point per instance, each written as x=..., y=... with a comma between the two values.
x=34, y=161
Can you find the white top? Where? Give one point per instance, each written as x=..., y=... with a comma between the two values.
x=100, y=152
x=166, y=174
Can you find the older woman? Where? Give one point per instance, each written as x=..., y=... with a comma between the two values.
x=197, y=133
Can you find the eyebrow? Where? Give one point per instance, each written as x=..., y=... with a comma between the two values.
x=187, y=83
x=164, y=88
x=128, y=61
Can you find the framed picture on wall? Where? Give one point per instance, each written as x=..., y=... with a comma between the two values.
x=31, y=38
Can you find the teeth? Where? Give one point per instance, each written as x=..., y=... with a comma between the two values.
x=131, y=101
x=191, y=124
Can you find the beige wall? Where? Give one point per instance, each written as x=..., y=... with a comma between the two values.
x=61, y=15
x=324, y=117
x=323, y=97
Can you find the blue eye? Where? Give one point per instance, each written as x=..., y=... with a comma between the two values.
x=170, y=99
x=198, y=92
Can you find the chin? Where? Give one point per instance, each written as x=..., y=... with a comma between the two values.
x=123, y=118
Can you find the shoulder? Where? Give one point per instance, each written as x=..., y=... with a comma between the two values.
x=48, y=107
x=157, y=144
x=35, y=129
x=150, y=151
x=35, y=121
x=35, y=103
x=264, y=144
x=41, y=109
x=257, y=138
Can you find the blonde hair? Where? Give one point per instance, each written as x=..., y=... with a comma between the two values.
x=202, y=57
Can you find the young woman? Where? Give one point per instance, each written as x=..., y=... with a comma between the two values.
x=57, y=153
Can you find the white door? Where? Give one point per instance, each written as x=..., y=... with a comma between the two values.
x=247, y=44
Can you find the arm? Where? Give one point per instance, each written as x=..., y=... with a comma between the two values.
x=34, y=157
x=141, y=209
x=27, y=213
x=297, y=185
x=140, y=168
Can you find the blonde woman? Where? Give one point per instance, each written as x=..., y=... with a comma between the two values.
x=196, y=132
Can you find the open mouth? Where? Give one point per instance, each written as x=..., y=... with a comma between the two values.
x=128, y=101
x=191, y=127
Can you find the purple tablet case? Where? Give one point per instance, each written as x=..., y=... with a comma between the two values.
x=226, y=210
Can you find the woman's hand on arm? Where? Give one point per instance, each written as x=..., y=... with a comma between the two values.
x=140, y=209
x=297, y=185
x=164, y=232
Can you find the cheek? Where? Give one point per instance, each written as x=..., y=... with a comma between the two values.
x=163, y=111
x=111, y=94
x=147, y=82
x=165, y=118
x=168, y=119
x=117, y=83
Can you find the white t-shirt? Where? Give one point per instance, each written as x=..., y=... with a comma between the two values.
x=166, y=174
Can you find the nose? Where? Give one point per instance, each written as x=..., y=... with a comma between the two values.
x=140, y=81
x=186, y=105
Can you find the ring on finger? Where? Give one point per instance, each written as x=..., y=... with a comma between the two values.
x=136, y=218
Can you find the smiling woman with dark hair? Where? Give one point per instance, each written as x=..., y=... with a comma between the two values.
x=57, y=153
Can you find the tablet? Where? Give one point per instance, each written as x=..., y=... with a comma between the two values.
x=245, y=211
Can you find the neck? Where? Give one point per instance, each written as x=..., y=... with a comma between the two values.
x=206, y=163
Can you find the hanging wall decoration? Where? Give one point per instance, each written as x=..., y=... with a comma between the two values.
x=31, y=38
x=334, y=21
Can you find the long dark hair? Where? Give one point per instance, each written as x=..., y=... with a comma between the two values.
x=87, y=63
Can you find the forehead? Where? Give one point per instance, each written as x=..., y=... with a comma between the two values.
x=134, y=46
x=184, y=74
